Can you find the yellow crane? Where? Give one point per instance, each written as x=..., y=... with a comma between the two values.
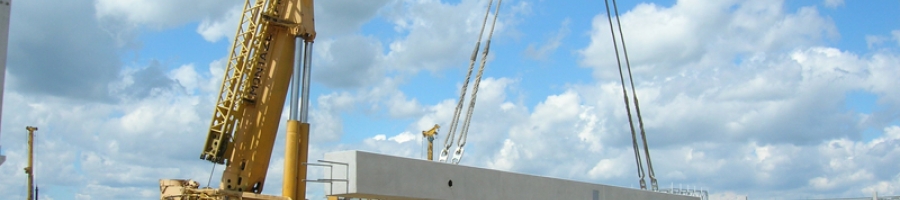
x=429, y=134
x=30, y=168
x=261, y=66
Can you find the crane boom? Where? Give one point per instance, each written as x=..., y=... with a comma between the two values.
x=248, y=109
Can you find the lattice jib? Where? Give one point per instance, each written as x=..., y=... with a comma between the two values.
x=237, y=72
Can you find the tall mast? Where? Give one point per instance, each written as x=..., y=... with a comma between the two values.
x=30, y=168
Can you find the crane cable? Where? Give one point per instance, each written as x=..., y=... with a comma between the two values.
x=448, y=140
x=457, y=156
x=637, y=155
x=637, y=105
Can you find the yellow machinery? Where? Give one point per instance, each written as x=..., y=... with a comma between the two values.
x=263, y=62
x=429, y=134
x=30, y=168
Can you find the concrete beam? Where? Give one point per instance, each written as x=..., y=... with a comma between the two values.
x=357, y=174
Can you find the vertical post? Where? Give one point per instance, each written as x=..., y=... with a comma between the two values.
x=30, y=168
x=291, y=160
x=307, y=70
x=304, y=123
x=304, y=156
x=430, y=147
x=295, y=78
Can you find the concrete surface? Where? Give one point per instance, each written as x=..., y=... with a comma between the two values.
x=359, y=174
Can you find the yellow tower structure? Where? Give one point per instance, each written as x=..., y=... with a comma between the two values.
x=429, y=134
x=30, y=168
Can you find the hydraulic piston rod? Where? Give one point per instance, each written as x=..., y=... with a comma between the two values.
x=297, y=138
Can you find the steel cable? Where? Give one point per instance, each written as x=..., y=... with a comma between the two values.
x=637, y=105
x=448, y=141
x=637, y=155
x=465, y=131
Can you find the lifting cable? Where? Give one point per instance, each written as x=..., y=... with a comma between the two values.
x=448, y=141
x=637, y=154
x=457, y=155
x=637, y=106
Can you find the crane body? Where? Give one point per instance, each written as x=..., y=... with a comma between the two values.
x=248, y=111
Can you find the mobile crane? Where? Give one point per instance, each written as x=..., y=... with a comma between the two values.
x=246, y=116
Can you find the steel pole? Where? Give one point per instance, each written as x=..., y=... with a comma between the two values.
x=295, y=78
x=307, y=70
x=304, y=120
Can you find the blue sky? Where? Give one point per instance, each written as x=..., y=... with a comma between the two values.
x=768, y=99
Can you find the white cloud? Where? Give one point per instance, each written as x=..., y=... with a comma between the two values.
x=93, y=146
x=896, y=34
x=400, y=107
x=349, y=62
x=326, y=116
x=588, y=124
x=608, y=168
x=854, y=164
x=161, y=14
x=83, y=50
x=403, y=137
x=833, y=3
x=873, y=41
x=541, y=53
x=421, y=21
x=188, y=78
x=882, y=187
x=219, y=20
x=506, y=156
x=702, y=34
x=345, y=17
x=214, y=29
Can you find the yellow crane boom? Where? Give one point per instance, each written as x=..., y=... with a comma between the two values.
x=252, y=96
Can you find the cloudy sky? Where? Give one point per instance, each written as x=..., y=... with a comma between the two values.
x=766, y=98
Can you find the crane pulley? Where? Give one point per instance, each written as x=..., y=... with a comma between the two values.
x=448, y=141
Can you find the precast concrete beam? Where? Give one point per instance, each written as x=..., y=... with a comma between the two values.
x=357, y=174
